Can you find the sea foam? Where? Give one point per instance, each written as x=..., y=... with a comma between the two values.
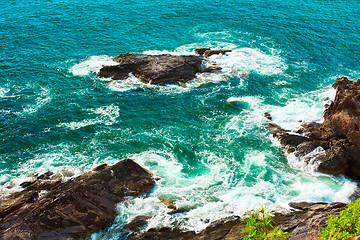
x=92, y=65
x=241, y=61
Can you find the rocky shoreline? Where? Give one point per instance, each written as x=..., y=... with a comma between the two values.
x=332, y=147
x=83, y=205
x=73, y=209
x=48, y=208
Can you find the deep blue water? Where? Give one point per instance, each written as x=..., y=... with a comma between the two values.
x=208, y=142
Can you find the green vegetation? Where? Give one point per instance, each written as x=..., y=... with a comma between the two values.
x=345, y=226
x=259, y=226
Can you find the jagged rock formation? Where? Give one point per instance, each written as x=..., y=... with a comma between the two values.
x=155, y=69
x=305, y=221
x=334, y=145
x=72, y=209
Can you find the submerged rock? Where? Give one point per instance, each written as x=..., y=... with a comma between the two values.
x=304, y=221
x=155, y=69
x=334, y=144
x=76, y=208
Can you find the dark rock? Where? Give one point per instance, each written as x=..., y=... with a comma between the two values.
x=137, y=223
x=163, y=233
x=116, y=72
x=28, y=195
x=76, y=208
x=27, y=183
x=168, y=202
x=15, y=201
x=216, y=230
x=211, y=69
x=209, y=53
x=338, y=135
x=268, y=116
x=46, y=175
x=201, y=51
x=156, y=69
x=180, y=210
x=66, y=173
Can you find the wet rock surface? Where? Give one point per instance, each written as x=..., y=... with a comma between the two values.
x=304, y=221
x=334, y=145
x=75, y=208
x=156, y=69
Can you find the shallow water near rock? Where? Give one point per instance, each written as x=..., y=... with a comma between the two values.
x=208, y=142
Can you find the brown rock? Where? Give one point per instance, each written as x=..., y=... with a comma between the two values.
x=338, y=135
x=201, y=51
x=168, y=202
x=137, y=223
x=209, y=53
x=78, y=207
x=268, y=116
x=156, y=69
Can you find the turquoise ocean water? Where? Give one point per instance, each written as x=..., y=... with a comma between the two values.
x=208, y=142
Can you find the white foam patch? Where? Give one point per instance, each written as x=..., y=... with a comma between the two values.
x=239, y=62
x=321, y=188
x=133, y=83
x=216, y=193
x=250, y=119
x=3, y=92
x=245, y=60
x=306, y=108
x=211, y=35
x=107, y=115
x=44, y=97
x=188, y=49
x=308, y=163
x=57, y=159
x=92, y=65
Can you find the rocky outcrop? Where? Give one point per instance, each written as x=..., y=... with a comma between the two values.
x=75, y=208
x=207, y=52
x=155, y=69
x=334, y=145
x=304, y=221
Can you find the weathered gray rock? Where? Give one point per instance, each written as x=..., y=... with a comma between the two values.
x=76, y=208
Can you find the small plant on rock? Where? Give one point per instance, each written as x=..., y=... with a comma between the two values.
x=259, y=226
